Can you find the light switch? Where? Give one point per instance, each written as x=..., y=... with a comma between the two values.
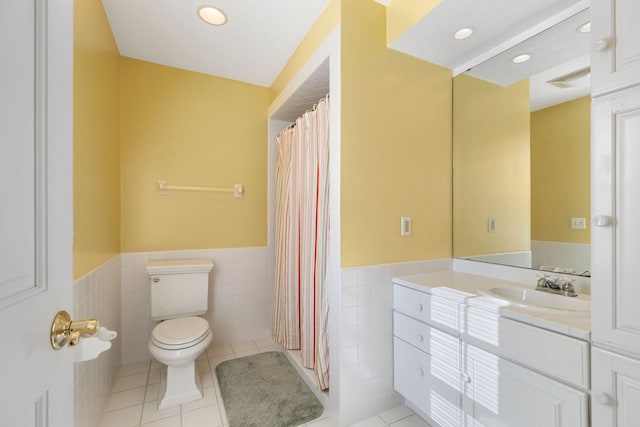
x=492, y=224
x=405, y=226
x=578, y=223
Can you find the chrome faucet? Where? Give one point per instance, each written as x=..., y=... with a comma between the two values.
x=556, y=285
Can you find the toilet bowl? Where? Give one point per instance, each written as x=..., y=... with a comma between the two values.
x=177, y=343
x=179, y=294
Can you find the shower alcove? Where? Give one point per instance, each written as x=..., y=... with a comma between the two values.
x=318, y=77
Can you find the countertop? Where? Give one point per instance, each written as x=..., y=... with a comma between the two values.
x=463, y=288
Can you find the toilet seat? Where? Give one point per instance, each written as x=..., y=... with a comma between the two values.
x=180, y=333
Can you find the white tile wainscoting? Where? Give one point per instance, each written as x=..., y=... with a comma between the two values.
x=576, y=256
x=240, y=309
x=366, y=338
x=97, y=295
x=240, y=297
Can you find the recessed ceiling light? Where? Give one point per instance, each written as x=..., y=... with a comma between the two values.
x=521, y=58
x=584, y=28
x=464, y=33
x=212, y=15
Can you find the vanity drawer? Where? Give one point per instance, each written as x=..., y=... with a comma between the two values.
x=418, y=377
x=427, y=308
x=558, y=355
x=428, y=339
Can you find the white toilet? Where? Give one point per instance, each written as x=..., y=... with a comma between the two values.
x=179, y=293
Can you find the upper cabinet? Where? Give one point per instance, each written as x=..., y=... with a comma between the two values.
x=615, y=174
x=615, y=114
x=615, y=60
x=616, y=203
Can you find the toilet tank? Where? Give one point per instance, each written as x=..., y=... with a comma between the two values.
x=179, y=288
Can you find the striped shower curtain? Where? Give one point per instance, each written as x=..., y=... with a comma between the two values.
x=301, y=234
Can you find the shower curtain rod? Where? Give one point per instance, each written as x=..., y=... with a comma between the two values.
x=237, y=189
x=292, y=125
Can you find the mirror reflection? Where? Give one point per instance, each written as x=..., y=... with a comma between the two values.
x=521, y=143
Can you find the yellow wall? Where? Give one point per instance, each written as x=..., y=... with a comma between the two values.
x=396, y=146
x=560, y=162
x=491, y=166
x=314, y=38
x=404, y=14
x=96, y=152
x=191, y=129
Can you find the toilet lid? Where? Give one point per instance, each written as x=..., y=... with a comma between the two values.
x=180, y=333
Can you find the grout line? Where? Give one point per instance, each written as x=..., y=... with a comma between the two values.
x=146, y=390
x=217, y=401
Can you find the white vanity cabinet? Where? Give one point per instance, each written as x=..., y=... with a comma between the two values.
x=461, y=365
x=427, y=354
x=615, y=38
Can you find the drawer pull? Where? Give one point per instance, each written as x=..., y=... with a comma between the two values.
x=419, y=307
x=420, y=338
x=420, y=372
x=466, y=378
x=603, y=398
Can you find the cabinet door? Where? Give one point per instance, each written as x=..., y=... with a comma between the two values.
x=616, y=390
x=615, y=36
x=616, y=204
x=428, y=383
x=499, y=393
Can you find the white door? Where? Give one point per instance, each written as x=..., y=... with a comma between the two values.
x=499, y=393
x=36, y=82
x=615, y=390
x=615, y=319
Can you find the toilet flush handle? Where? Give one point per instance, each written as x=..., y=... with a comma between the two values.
x=155, y=279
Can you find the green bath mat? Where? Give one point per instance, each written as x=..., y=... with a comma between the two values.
x=263, y=390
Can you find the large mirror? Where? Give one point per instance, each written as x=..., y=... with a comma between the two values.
x=521, y=145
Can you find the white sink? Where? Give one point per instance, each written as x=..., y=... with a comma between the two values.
x=540, y=301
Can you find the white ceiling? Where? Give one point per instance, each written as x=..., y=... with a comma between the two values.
x=498, y=24
x=261, y=36
x=314, y=88
x=503, y=29
x=252, y=47
x=556, y=52
x=557, y=45
x=543, y=94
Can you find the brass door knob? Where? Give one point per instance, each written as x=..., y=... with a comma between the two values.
x=65, y=331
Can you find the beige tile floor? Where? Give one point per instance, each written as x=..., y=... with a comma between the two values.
x=133, y=401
